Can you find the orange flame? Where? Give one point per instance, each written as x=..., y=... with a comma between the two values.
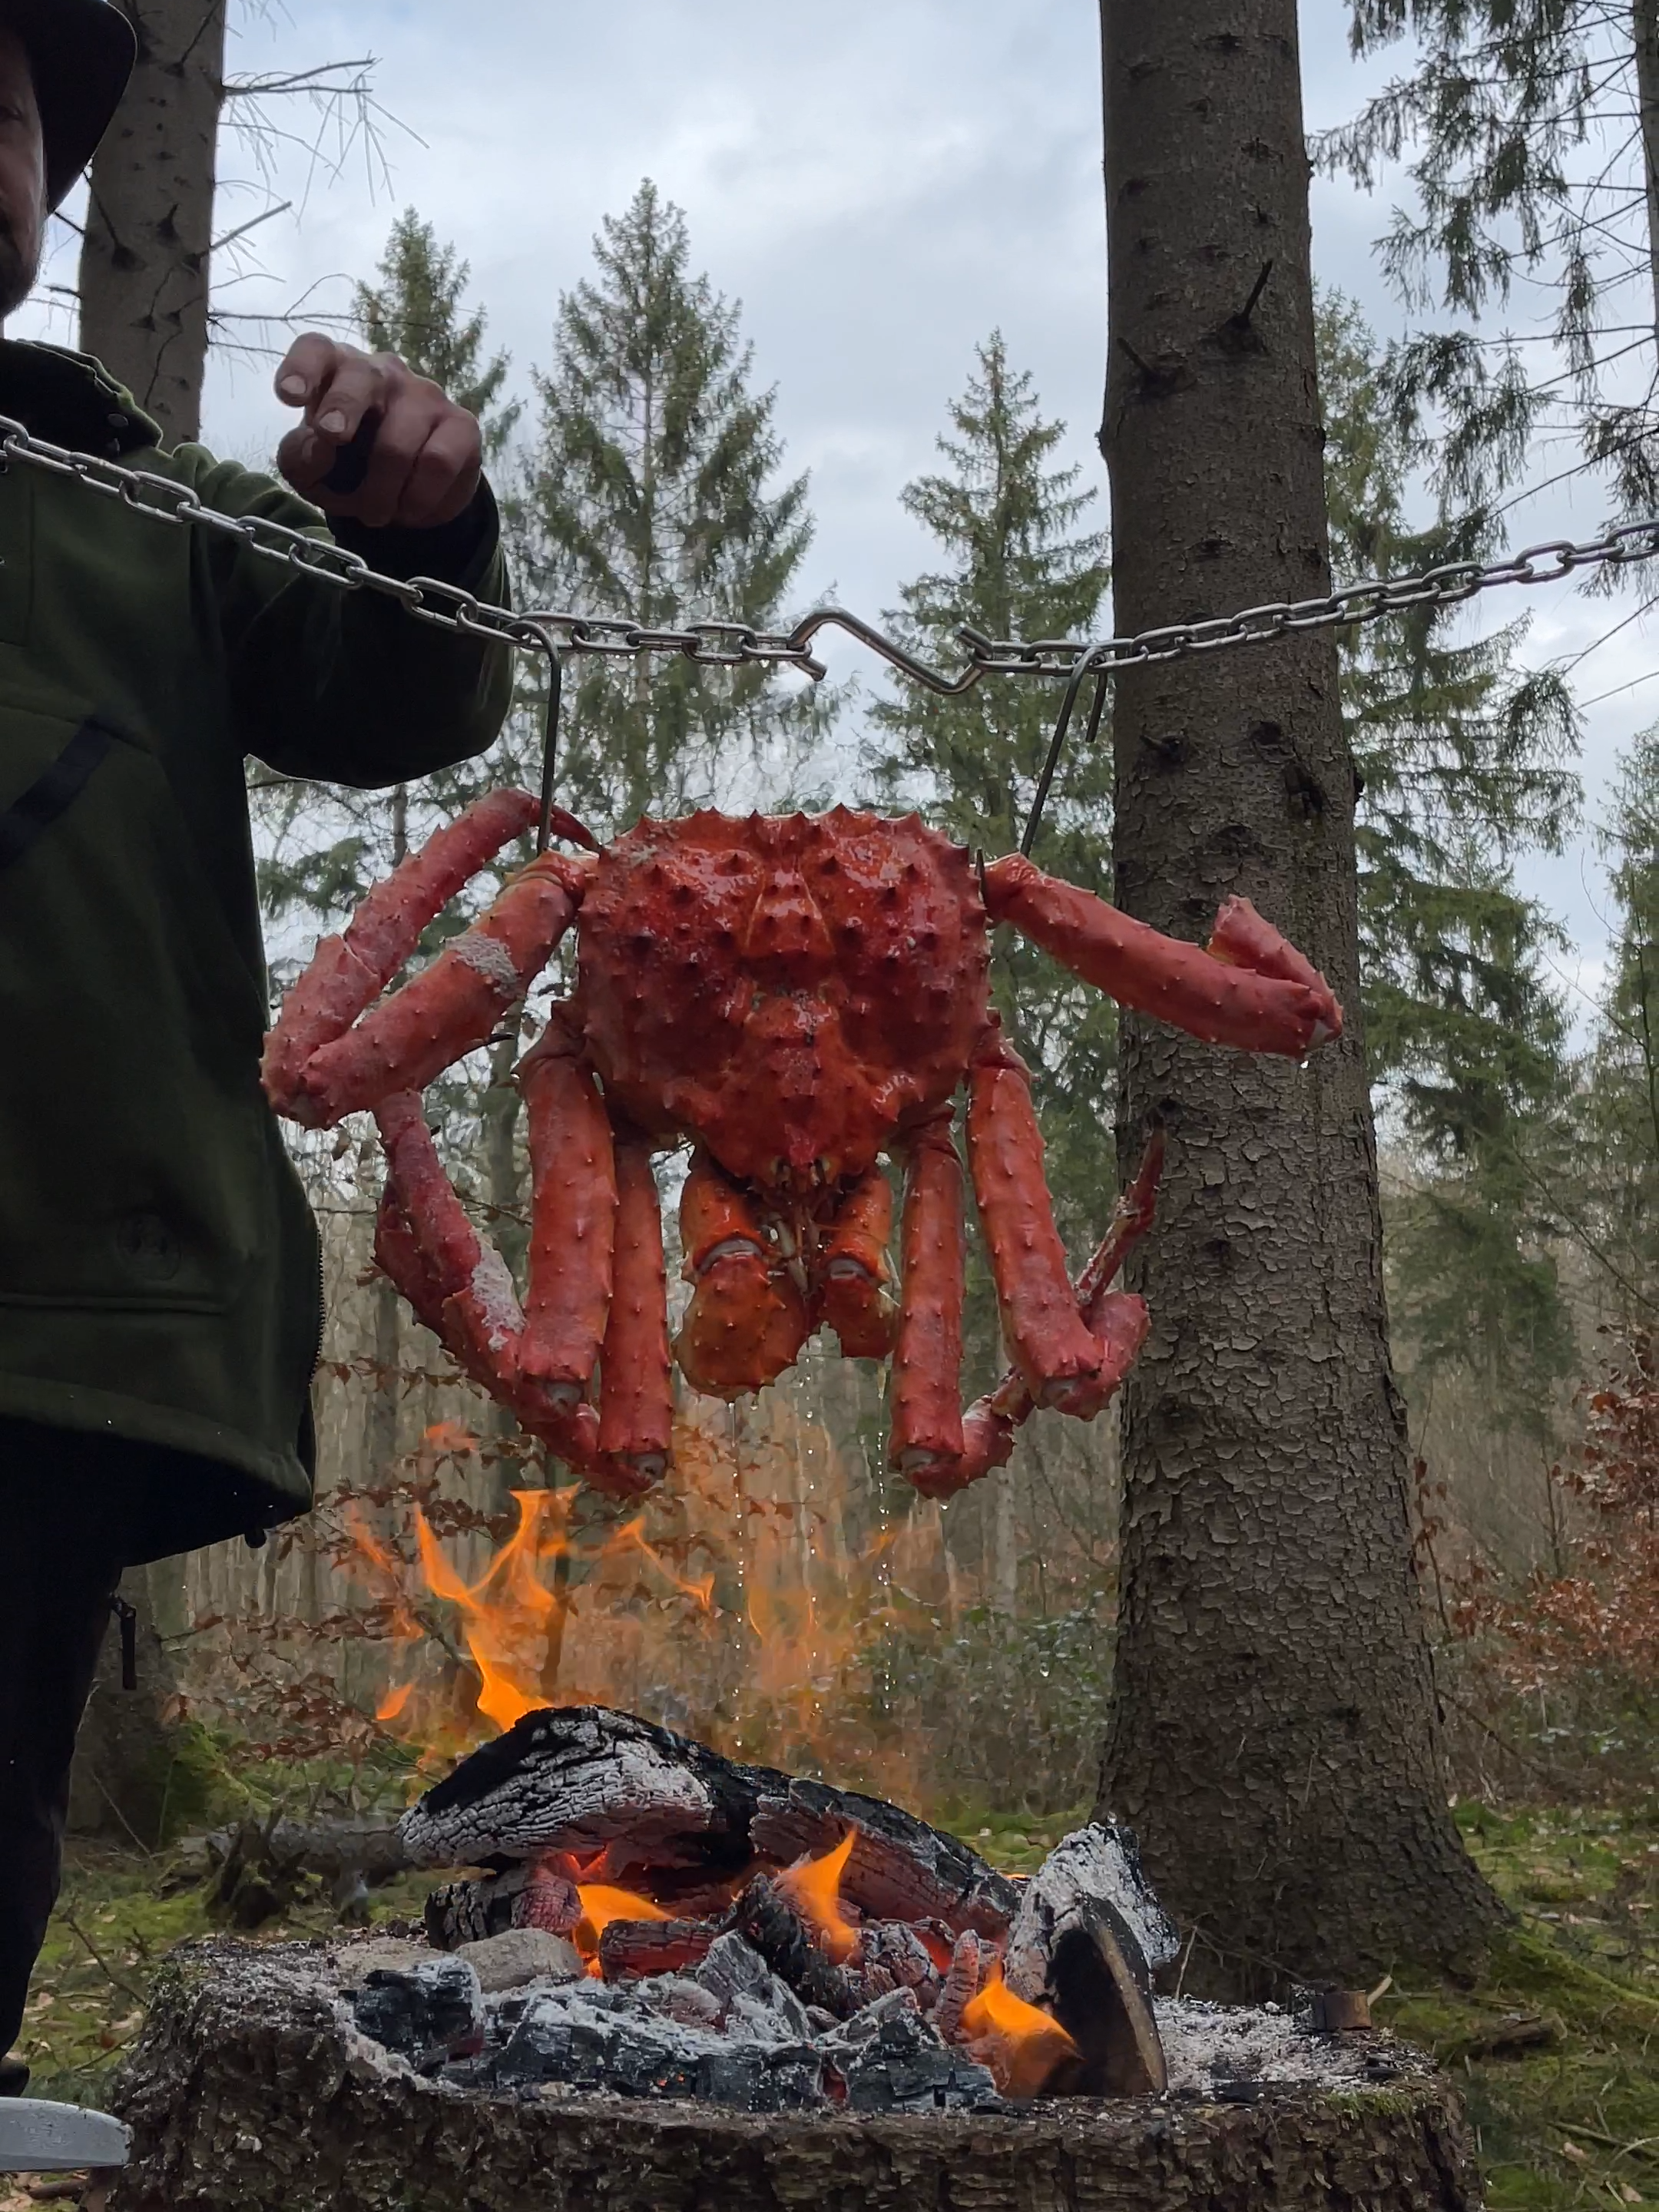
x=813, y=1887
x=392, y=1705
x=601, y=1905
x=507, y=1610
x=1020, y=2044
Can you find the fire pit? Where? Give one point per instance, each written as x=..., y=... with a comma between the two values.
x=674, y=1980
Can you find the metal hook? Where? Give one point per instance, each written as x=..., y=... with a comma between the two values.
x=550, y=745
x=1087, y=662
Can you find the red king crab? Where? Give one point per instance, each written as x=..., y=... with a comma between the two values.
x=798, y=996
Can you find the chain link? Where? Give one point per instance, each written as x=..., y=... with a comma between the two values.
x=737, y=645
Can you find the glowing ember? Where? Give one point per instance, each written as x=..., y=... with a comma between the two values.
x=1021, y=2044
x=601, y=1905
x=813, y=1887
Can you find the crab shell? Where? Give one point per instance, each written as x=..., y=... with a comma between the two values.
x=789, y=992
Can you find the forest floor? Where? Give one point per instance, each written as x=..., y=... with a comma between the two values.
x=1557, y=2046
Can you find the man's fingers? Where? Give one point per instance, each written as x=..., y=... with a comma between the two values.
x=307, y=370
x=445, y=476
x=306, y=459
x=357, y=386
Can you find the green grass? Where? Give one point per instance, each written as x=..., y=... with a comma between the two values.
x=1556, y=2047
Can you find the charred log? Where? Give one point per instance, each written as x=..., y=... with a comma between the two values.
x=771, y=1926
x=900, y=1869
x=1100, y=1862
x=630, y=1949
x=581, y=1778
x=1100, y=1992
x=685, y=1826
x=531, y=1895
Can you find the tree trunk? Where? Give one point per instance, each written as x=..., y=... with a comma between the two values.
x=1645, y=25
x=1273, y=1730
x=144, y=263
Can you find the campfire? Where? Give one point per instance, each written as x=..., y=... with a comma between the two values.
x=646, y=1917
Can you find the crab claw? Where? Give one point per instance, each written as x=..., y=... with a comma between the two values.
x=1244, y=938
x=560, y=824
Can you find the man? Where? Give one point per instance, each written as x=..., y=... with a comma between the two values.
x=159, y=1295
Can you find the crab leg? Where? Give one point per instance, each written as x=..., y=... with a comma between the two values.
x=1052, y=1347
x=1118, y=1318
x=853, y=1273
x=459, y=1288
x=747, y=1320
x=573, y=1212
x=451, y=1008
x=347, y=973
x=637, y=1397
x=479, y=1307
x=927, y=1365
x=1250, y=989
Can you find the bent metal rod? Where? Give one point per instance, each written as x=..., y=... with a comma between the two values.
x=738, y=645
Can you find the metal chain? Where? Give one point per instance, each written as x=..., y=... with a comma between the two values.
x=735, y=645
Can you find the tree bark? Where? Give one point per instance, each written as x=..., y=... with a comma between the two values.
x=144, y=263
x=1274, y=1733
x=1645, y=26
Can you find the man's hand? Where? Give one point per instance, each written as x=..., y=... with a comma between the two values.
x=427, y=457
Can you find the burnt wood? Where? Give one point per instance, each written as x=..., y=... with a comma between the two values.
x=244, y=2091
x=674, y=1816
x=630, y=1949
x=579, y=1778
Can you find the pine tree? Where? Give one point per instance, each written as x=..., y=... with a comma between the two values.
x=1621, y=1193
x=1007, y=523
x=417, y=311
x=1531, y=133
x=651, y=499
x=1465, y=759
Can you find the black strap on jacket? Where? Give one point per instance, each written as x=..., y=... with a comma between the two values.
x=52, y=791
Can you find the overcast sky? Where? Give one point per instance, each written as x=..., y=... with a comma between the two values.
x=880, y=184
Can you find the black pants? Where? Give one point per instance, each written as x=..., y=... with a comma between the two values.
x=61, y=1556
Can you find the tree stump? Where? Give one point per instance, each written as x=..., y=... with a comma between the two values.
x=250, y=2089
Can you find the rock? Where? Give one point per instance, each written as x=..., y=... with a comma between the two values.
x=426, y=2013
x=355, y=1962
x=523, y=1954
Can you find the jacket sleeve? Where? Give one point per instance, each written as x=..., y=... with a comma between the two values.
x=346, y=686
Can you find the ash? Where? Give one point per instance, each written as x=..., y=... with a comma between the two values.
x=728, y=2032
x=1232, y=2054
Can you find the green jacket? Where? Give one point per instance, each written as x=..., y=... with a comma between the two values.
x=159, y=1266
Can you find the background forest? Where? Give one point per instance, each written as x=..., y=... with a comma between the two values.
x=784, y=1598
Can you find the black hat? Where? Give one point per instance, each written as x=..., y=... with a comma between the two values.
x=81, y=52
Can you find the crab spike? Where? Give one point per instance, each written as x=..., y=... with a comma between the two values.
x=927, y=1426
x=1052, y=1345
x=1244, y=992
x=747, y=1321
x=636, y=1407
x=573, y=1212
x=1118, y=1318
x=449, y=1009
x=349, y=973
x=853, y=1271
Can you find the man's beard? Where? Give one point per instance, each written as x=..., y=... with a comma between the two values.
x=19, y=271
